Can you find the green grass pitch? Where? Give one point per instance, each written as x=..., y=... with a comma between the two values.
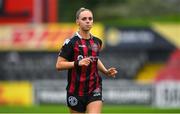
x=106, y=109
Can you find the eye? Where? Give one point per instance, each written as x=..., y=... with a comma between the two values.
x=84, y=18
x=90, y=18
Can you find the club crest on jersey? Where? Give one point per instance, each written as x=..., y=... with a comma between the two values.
x=94, y=47
x=72, y=100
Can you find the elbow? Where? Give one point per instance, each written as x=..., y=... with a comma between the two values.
x=58, y=67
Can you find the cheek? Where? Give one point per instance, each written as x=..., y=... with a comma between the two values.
x=80, y=24
x=91, y=22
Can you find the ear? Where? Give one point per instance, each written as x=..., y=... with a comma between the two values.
x=77, y=21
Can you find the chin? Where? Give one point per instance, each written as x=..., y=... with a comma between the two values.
x=87, y=29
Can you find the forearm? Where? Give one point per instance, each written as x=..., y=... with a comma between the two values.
x=101, y=67
x=63, y=64
x=109, y=72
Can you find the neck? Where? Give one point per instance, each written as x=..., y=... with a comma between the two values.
x=84, y=34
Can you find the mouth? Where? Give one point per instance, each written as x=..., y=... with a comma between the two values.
x=88, y=25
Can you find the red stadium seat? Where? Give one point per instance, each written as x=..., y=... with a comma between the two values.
x=172, y=69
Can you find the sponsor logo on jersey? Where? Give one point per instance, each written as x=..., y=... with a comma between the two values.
x=97, y=92
x=82, y=46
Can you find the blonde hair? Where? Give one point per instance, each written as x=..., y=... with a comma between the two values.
x=81, y=10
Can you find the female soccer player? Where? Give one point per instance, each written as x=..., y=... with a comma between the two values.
x=79, y=55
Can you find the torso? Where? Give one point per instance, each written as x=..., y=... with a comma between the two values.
x=84, y=80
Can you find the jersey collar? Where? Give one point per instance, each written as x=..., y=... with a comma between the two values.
x=77, y=34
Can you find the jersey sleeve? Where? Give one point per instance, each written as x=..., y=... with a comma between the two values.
x=99, y=45
x=67, y=50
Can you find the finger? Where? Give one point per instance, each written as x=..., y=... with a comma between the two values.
x=112, y=68
x=110, y=74
x=112, y=71
x=87, y=63
x=113, y=75
x=88, y=59
x=84, y=62
x=91, y=59
x=116, y=71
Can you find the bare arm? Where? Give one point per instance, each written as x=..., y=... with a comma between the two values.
x=109, y=72
x=101, y=67
x=63, y=64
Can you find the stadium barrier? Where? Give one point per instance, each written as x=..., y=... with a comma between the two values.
x=127, y=92
x=49, y=91
x=167, y=94
x=16, y=93
x=164, y=94
x=119, y=92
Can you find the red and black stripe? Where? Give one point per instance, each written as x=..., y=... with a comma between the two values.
x=84, y=80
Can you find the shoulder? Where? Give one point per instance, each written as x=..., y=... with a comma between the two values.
x=70, y=41
x=96, y=39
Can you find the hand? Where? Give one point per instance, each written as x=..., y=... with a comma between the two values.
x=112, y=72
x=85, y=61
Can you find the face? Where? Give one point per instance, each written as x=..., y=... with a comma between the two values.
x=85, y=20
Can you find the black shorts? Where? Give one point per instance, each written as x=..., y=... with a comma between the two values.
x=79, y=103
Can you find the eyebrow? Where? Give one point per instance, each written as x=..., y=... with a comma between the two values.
x=84, y=18
x=87, y=17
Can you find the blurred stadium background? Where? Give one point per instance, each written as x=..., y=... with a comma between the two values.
x=141, y=39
